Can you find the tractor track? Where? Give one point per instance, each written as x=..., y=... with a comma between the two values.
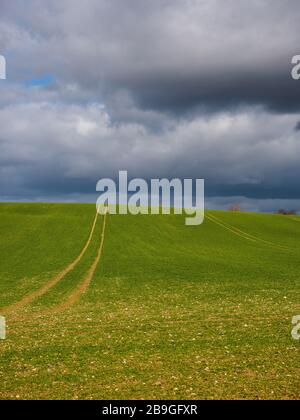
x=51, y=283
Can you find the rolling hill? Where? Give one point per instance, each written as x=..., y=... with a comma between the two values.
x=143, y=307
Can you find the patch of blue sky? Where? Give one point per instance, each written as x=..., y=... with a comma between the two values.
x=43, y=81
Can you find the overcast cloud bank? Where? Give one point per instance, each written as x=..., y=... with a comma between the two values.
x=181, y=88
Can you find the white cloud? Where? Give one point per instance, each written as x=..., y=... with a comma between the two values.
x=161, y=88
x=42, y=140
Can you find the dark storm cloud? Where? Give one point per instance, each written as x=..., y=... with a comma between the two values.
x=276, y=93
x=69, y=147
x=169, y=55
x=174, y=88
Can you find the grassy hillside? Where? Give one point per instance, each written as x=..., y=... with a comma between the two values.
x=169, y=312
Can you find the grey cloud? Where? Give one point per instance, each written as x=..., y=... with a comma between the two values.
x=67, y=148
x=175, y=88
x=170, y=55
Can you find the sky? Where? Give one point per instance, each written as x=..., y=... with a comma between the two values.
x=167, y=88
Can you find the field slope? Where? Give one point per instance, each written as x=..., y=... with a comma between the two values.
x=145, y=307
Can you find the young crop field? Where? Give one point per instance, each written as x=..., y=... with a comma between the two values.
x=144, y=307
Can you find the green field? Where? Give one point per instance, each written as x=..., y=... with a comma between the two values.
x=169, y=312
